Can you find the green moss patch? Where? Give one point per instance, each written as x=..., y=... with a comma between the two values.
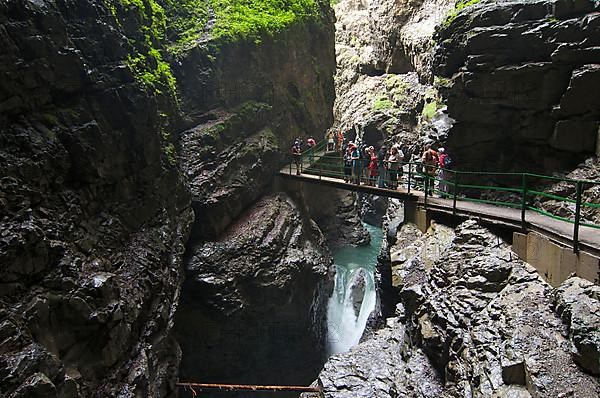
x=461, y=4
x=146, y=40
x=382, y=103
x=232, y=20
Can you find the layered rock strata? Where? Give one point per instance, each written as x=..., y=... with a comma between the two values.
x=257, y=270
x=384, y=52
x=522, y=81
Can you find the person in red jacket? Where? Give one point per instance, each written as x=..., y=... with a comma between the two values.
x=373, y=166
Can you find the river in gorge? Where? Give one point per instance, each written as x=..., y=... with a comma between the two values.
x=354, y=297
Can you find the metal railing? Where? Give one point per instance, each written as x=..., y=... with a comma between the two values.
x=514, y=190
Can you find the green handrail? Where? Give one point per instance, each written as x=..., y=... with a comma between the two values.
x=332, y=166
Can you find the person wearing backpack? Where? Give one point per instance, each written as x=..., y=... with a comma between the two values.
x=297, y=156
x=430, y=160
x=348, y=164
x=381, y=155
x=445, y=163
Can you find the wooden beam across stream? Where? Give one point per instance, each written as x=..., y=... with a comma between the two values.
x=246, y=387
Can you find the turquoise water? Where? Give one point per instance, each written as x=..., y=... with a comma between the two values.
x=354, y=296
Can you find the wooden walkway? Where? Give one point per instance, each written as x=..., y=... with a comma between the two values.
x=556, y=230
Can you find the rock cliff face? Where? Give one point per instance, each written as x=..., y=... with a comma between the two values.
x=522, y=82
x=384, y=52
x=257, y=296
x=257, y=270
x=95, y=213
x=473, y=321
x=337, y=213
x=93, y=216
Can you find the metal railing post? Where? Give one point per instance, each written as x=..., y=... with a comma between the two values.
x=409, y=175
x=455, y=193
x=426, y=185
x=320, y=169
x=577, y=217
x=523, y=200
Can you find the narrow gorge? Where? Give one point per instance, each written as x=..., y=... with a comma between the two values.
x=153, y=230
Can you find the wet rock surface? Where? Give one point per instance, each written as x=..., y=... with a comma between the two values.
x=484, y=320
x=257, y=295
x=590, y=194
x=93, y=216
x=516, y=72
x=337, y=212
x=243, y=107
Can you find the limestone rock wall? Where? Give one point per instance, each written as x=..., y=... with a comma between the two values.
x=384, y=52
x=522, y=82
x=93, y=216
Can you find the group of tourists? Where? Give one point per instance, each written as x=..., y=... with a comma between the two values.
x=382, y=168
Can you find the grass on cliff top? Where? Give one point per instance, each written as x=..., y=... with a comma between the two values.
x=460, y=4
x=232, y=20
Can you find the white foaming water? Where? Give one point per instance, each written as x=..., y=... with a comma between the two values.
x=354, y=296
x=344, y=326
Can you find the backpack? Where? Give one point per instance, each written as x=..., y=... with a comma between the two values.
x=448, y=162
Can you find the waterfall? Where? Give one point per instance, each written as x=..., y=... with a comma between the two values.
x=354, y=295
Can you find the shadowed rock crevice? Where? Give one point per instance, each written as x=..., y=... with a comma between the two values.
x=255, y=297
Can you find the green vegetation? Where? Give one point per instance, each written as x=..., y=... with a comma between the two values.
x=441, y=82
x=461, y=4
x=145, y=58
x=429, y=110
x=233, y=19
x=396, y=86
x=382, y=103
x=249, y=19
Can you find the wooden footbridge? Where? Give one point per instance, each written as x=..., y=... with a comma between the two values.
x=510, y=200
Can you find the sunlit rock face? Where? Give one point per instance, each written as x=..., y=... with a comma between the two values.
x=473, y=320
x=257, y=295
x=522, y=82
x=384, y=51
